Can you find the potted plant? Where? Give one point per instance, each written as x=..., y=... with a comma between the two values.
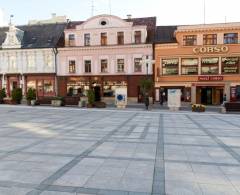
x=31, y=96
x=2, y=95
x=58, y=101
x=198, y=108
x=16, y=96
x=91, y=98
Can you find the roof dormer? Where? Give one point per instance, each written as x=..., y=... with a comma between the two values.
x=14, y=38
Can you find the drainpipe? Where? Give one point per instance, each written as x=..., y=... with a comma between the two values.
x=55, y=51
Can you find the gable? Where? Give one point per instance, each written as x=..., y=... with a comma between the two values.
x=104, y=21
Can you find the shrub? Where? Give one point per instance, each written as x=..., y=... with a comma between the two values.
x=198, y=108
x=91, y=97
x=17, y=95
x=31, y=94
x=2, y=95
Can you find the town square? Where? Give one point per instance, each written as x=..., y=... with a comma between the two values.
x=75, y=151
x=109, y=97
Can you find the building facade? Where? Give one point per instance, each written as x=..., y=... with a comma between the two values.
x=105, y=52
x=27, y=57
x=201, y=60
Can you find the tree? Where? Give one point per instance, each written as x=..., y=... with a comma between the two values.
x=146, y=86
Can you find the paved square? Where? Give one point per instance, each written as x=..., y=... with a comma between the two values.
x=67, y=151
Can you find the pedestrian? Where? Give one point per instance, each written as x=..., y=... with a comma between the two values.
x=147, y=101
x=224, y=99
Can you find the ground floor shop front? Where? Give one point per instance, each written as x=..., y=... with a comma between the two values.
x=207, y=90
x=104, y=86
x=44, y=84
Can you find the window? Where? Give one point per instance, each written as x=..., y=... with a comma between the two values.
x=71, y=39
x=210, y=39
x=103, y=38
x=120, y=38
x=49, y=61
x=109, y=87
x=87, y=39
x=230, y=65
x=12, y=63
x=77, y=87
x=190, y=40
x=137, y=65
x=231, y=38
x=104, y=66
x=120, y=65
x=31, y=61
x=210, y=66
x=137, y=37
x=170, y=66
x=31, y=84
x=87, y=66
x=189, y=66
x=48, y=86
x=72, y=67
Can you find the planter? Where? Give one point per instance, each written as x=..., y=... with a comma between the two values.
x=33, y=102
x=56, y=103
x=82, y=103
x=89, y=105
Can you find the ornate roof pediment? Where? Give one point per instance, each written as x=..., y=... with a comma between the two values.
x=104, y=21
x=14, y=38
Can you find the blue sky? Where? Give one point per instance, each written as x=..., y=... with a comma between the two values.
x=169, y=12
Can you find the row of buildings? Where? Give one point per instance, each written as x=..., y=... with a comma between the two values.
x=58, y=57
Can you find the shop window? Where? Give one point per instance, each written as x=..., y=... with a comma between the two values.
x=189, y=66
x=77, y=88
x=87, y=64
x=104, y=66
x=137, y=37
x=137, y=65
x=210, y=39
x=230, y=65
x=190, y=40
x=48, y=86
x=109, y=87
x=120, y=65
x=87, y=39
x=72, y=67
x=31, y=85
x=103, y=39
x=120, y=38
x=230, y=38
x=71, y=40
x=170, y=66
x=210, y=66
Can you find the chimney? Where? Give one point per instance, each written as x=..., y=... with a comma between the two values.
x=54, y=15
x=129, y=16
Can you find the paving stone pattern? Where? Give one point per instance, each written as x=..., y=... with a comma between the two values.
x=65, y=151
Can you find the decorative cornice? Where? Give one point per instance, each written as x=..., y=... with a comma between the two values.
x=92, y=48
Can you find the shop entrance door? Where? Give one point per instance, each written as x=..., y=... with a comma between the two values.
x=206, y=96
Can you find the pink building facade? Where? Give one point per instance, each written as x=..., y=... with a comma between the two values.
x=106, y=52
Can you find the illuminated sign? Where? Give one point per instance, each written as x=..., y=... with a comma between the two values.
x=211, y=49
x=210, y=78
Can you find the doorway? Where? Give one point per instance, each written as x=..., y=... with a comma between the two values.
x=206, y=96
x=97, y=92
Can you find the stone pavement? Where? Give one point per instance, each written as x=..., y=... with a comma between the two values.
x=67, y=151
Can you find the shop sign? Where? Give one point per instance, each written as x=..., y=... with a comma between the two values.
x=210, y=78
x=211, y=49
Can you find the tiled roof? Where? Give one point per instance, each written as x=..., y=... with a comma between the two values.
x=165, y=34
x=150, y=22
x=38, y=36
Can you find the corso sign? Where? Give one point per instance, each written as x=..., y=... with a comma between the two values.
x=211, y=49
